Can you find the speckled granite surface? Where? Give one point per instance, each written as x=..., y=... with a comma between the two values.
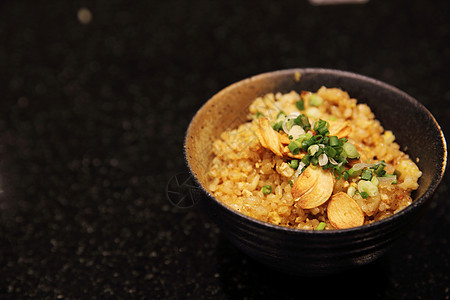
x=92, y=120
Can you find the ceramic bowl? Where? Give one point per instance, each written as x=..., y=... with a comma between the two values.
x=319, y=252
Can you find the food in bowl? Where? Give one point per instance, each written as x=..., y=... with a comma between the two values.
x=312, y=160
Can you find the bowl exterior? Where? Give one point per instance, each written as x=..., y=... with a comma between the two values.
x=317, y=253
x=308, y=253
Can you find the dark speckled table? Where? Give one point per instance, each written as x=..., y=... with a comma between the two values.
x=95, y=100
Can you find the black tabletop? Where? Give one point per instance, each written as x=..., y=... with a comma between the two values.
x=95, y=100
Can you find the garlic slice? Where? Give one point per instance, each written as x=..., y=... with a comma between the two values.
x=268, y=137
x=313, y=187
x=344, y=212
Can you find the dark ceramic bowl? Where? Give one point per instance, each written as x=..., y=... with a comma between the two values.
x=319, y=252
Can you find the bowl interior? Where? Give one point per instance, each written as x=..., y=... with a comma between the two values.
x=414, y=127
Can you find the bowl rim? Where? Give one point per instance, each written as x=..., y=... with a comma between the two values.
x=359, y=229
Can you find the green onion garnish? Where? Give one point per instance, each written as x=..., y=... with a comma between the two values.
x=267, y=189
x=259, y=114
x=368, y=187
x=281, y=115
x=350, y=150
x=366, y=174
x=315, y=100
x=321, y=226
x=321, y=127
x=293, y=147
x=303, y=121
x=300, y=104
x=277, y=126
x=306, y=159
x=364, y=195
x=293, y=164
x=334, y=141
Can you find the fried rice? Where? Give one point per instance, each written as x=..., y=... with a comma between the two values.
x=255, y=174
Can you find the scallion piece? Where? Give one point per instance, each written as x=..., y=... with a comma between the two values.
x=321, y=127
x=334, y=141
x=364, y=195
x=303, y=121
x=293, y=164
x=351, y=172
x=312, y=150
x=350, y=150
x=277, y=126
x=281, y=116
x=366, y=174
x=303, y=137
x=306, y=159
x=351, y=191
x=330, y=151
x=300, y=104
x=293, y=147
x=315, y=100
x=342, y=141
x=321, y=226
x=266, y=190
x=368, y=187
x=337, y=172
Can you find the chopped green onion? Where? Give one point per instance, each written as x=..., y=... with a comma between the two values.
x=337, y=172
x=351, y=191
x=291, y=183
x=350, y=150
x=330, y=151
x=281, y=116
x=345, y=175
x=296, y=131
x=311, y=141
x=314, y=161
x=315, y=100
x=366, y=174
x=364, y=195
x=259, y=114
x=321, y=127
x=321, y=226
x=368, y=187
x=351, y=173
x=313, y=149
x=293, y=164
x=342, y=141
x=288, y=122
x=277, y=126
x=334, y=141
x=306, y=159
x=389, y=177
x=293, y=147
x=379, y=168
x=303, y=137
x=375, y=180
x=303, y=121
x=300, y=104
x=323, y=159
x=267, y=189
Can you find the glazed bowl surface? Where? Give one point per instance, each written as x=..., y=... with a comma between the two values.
x=307, y=252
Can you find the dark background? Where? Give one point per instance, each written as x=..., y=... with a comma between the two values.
x=92, y=122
